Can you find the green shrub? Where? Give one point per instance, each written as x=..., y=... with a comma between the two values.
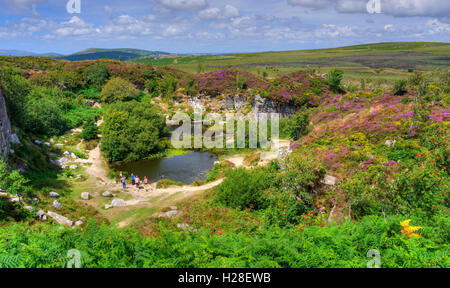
x=334, y=79
x=299, y=125
x=133, y=131
x=400, y=87
x=90, y=130
x=244, y=188
x=118, y=89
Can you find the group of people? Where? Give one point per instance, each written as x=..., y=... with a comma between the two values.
x=135, y=180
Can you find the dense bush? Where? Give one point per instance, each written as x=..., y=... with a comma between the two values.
x=90, y=130
x=133, y=131
x=118, y=89
x=97, y=75
x=245, y=188
x=44, y=116
x=298, y=125
x=334, y=79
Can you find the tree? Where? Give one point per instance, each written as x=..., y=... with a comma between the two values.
x=16, y=89
x=118, y=89
x=97, y=75
x=299, y=125
x=90, y=130
x=334, y=79
x=133, y=131
x=45, y=117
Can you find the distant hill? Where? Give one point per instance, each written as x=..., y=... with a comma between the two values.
x=20, y=53
x=114, y=54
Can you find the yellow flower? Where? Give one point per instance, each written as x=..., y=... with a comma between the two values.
x=409, y=230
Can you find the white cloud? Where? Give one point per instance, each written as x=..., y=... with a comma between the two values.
x=215, y=13
x=401, y=8
x=389, y=28
x=22, y=5
x=188, y=5
x=435, y=27
x=230, y=12
x=210, y=13
x=74, y=27
x=314, y=4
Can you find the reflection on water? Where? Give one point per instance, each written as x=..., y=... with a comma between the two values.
x=184, y=168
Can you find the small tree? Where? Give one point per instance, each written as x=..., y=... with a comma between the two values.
x=400, y=87
x=419, y=82
x=334, y=79
x=299, y=125
x=118, y=89
x=90, y=130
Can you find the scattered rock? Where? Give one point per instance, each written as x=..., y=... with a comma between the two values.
x=107, y=194
x=29, y=208
x=82, y=218
x=174, y=207
x=41, y=215
x=37, y=142
x=57, y=205
x=168, y=214
x=35, y=200
x=53, y=195
x=78, y=223
x=329, y=180
x=16, y=200
x=107, y=206
x=73, y=167
x=118, y=203
x=390, y=143
x=60, y=219
x=3, y=194
x=12, y=151
x=85, y=195
x=47, y=144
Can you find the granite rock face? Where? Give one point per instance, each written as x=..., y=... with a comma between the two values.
x=261, y=105
x=5, y=129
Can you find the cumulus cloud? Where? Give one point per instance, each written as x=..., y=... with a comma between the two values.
x=188, y=5
x=74, y=27
x=22, y=5
x=210, y=13
x=215, y=13
x=400, y=8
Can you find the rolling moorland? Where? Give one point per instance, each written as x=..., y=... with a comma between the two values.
x=364, y=165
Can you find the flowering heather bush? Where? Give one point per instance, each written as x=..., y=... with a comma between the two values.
x=227, y=81
x=298, y=88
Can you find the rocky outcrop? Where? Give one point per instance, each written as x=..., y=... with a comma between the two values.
x=261, y=105
x=5, y=130
x=265, y=105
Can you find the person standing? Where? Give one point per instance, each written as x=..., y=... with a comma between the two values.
x=124, y=184
x=138, y=181
x=145, y=181
x=133, y=179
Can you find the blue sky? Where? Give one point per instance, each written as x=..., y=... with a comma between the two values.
x=217, y=26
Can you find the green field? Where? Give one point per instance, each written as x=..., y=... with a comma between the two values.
x=378, y=61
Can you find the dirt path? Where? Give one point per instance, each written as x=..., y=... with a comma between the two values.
x=97, y=170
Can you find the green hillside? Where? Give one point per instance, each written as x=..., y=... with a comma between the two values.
x=124, y=54
x=355, y=59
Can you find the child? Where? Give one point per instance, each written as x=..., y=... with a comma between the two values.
x=124, y=183
x=145, y=180
x=137, y=182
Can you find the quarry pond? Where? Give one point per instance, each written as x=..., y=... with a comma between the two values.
x=185, y=168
